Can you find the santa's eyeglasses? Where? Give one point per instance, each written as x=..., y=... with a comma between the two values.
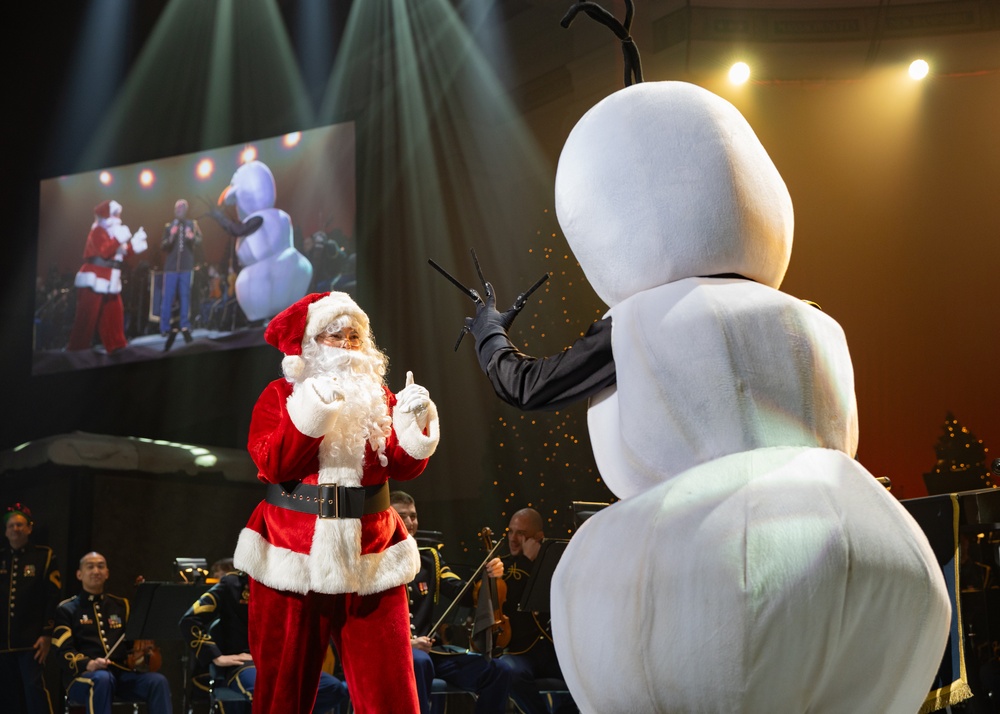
x=351, y=340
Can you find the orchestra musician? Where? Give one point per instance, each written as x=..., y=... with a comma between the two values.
x=530, y=655
x=30, y=583
x=89, y=636
x=488, y=678
x=216, y=629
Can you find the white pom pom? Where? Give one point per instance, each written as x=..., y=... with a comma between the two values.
x=293, y=367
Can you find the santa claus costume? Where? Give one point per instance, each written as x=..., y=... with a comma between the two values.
x=327, y=556
x=99, y=280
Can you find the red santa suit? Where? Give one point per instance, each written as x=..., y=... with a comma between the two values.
x=99, y=280
x=316, y=577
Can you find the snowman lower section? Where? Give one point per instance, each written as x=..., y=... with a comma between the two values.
x=776, y=580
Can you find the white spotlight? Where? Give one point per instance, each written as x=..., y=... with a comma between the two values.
x=739, y=73
x=919, y=69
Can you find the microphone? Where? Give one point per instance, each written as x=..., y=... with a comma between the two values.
x=996, y=467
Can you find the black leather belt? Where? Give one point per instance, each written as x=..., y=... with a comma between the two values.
x=103, y=262
x=329, y=500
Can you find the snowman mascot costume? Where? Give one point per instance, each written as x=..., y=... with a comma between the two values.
x=757, y=566
x=274, y=273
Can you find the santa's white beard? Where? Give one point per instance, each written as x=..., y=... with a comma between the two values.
x=363, y=415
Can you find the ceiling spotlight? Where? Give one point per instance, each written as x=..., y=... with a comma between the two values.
x=105, y=178
x=205, y=169
x=146, y=178
x=739, y=73
x=919, y=69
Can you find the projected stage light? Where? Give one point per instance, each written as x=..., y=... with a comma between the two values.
x=248, y=154
x=919, y=69
x=205, y=169
x=292, y=139
x=739, y=73
x=146, y=178
x=105, y=178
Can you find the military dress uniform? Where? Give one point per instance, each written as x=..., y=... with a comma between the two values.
x=489, y=679
x=530, y=654
x=30, y=583
x=218, y=624
x=87, y=627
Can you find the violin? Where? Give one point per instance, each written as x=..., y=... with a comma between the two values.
x=498, y=596
x=145, y=655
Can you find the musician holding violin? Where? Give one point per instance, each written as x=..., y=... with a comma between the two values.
x=530, y=654
x=489, y=678
x=98, y=663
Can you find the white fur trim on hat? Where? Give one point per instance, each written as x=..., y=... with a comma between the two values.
x=326, y=310
x=293, y=367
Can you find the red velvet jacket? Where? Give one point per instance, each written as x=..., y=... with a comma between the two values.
x=299, y=552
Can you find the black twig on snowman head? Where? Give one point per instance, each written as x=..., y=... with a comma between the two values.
x=633, y=68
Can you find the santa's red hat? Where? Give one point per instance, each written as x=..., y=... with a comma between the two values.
x=105, y=209
x=304, y=320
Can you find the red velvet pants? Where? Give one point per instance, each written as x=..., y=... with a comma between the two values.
x=100, y=311
x=289, y=634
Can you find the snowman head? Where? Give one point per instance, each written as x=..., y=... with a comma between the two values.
x=251, y=189
x=662, y=181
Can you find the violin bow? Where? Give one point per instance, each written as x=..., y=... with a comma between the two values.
x=468, y=583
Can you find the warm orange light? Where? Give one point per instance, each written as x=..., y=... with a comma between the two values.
x=739, y=73
x=205, y=169
x=147, y=178
x=919, y=69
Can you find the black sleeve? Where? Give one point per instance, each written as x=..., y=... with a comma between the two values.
x=578, y=372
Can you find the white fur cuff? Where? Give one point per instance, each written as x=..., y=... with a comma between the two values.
x=411, y=437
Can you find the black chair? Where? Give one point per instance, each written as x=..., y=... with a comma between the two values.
x=442, y=692
x=219, y=692
x=549, y=688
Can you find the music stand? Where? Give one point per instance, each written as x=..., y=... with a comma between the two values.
x=582, y=510
x=158, y=607
x=156, y=612
x=535, y=597
x=428, y=539
x=191, y=570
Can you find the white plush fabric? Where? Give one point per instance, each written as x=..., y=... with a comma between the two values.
x=775, y=580
x=665, y=180
x=710, y=367
x=752, y=566
x=341, y=569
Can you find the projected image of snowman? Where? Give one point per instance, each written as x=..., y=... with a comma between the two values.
x=274, y=273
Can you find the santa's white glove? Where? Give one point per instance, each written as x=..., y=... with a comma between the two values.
x=414, y=399
x=120, y=233
x=326, y=388
x=139, y=243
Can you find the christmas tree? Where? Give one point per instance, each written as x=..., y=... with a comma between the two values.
x=961, y=461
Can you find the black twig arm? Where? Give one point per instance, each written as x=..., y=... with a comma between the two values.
x=633, y=66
